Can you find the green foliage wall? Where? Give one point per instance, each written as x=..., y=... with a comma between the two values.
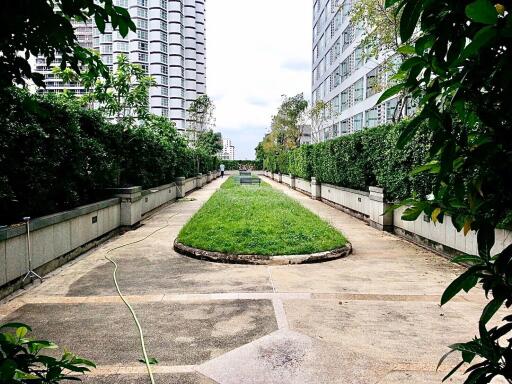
x=362, y=159
x=55, y=155
x=234, y=165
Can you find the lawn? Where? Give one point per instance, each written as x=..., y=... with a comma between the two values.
x=254, y=220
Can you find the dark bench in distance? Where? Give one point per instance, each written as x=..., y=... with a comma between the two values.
x=250, y=180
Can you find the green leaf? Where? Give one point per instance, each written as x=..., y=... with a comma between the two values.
x=390, y=92
x=100, y=23
x=481, y=38
x=490, y=309
x=410, y=15
x=407, y=49
x=432, y=167
x=7, y=370
x=410, y=130
x=412, y=213
x=460, y=283
x=389, y=3
x=15, y=325
x=469, y=259
x=482, y=11
x=411, y=62
x=21, y=332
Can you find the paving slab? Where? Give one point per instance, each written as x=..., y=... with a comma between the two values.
x=181, y=378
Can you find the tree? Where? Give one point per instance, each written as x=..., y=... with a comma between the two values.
x=45, y=27
x=122, y=95
x=285, y=128
x=380, y=38
x=210, y=142
x=201, y=115
x=460, y=73
x=318, y=116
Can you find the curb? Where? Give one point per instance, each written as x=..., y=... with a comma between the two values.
x=220, y=257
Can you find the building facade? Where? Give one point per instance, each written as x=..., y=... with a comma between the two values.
x=169, y=44
x=228, y=150
x=349, y=84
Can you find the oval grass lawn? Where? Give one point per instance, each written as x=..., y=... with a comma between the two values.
x=258, y=220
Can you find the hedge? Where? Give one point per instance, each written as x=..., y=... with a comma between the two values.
x=55, y=155
x=235, y=165
x=359, y=160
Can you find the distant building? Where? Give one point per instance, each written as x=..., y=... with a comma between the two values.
x=228, y=150
x=169, y=44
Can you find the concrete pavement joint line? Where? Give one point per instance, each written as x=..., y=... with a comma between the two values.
x=105, y=370
x=271, y=280
x=282, y=321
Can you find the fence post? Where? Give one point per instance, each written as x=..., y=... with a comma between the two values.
x=316, y=191
x=379, y=218
x=180, y=187
x=131, y=205
x=292, y=181
x=280, y=177
x=199, y=180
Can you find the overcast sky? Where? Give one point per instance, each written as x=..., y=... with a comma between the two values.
x=256, y=51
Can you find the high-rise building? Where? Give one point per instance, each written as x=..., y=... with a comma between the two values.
x=349, y=84
x=228, y=150
x=169, y=44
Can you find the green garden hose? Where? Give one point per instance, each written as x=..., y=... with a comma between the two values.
x=137, y=323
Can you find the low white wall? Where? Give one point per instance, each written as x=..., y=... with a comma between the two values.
x=72, y=232
x=190, y=184
x=354, y=200
x=154, y=198
x=303, y=185
x=445, y=233
x=286, y=179
x=54, y=236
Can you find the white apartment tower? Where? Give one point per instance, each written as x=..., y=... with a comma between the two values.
x=169, y=44
x=349, y=84
x=228, y=150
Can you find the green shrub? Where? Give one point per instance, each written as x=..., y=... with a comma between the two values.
x=21, y=360
x=234, y=165
x=360, y=160
x=56, y=155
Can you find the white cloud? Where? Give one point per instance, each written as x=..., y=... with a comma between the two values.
x=256, y=51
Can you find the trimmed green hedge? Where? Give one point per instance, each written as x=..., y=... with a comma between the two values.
x=362, y=159
x=55, y=155
x=235, y=165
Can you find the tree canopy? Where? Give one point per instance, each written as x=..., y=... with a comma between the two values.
x=44, y=27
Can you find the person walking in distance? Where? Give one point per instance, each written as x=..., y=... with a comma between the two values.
x=222, y=170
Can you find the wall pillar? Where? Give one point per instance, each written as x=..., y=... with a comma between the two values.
x=316, y=191
x=209, y=177
x=180, y=187
x=199, y=180
x=292, y=181
x=131, y=205
x=379, y=218
x=280, y=177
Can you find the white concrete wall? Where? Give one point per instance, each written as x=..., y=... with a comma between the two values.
x=303, y=185
x=153, y=198
x=190, y=184
x=446, y=234
x=54, y=236
x=355, y=200
x=286, y=179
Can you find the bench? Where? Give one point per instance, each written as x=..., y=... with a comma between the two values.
x=249, y=180
x=245, y=173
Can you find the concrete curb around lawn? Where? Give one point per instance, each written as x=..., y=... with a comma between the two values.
x=220, y=257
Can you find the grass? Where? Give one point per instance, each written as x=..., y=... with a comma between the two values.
x=254, y=220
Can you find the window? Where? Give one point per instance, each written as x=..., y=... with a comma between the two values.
x=347, y=37
x=143, y=45
x=390, y=109
x=344, y=127
x=335, y=130
x=165, y=112
x=142, y=12
x=163, y=47
x=164, y=102
x=122, y=3
x=107, y=59
x=372, y=82
x=358, y=91
x=337, y=21
x=346, y=8
x=143, y=56
x=163, y=58
x=122, y=46
x=164, y=91
x=142, y=34
x=337, y=77
x=372, y=117
x=163, y=37
x=344, y=100
x=358, y=57
x=165, y=80
x=141, y=23
x=106, y=38
x=163, y=14
x=344, y=69
x=163, y=25
x=358, y=122
x=163, y=4
x=165, y=69
x=335, y=105
x=142, y=3
x=106, y=48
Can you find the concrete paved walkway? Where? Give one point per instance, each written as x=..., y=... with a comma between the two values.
x=370, y=318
